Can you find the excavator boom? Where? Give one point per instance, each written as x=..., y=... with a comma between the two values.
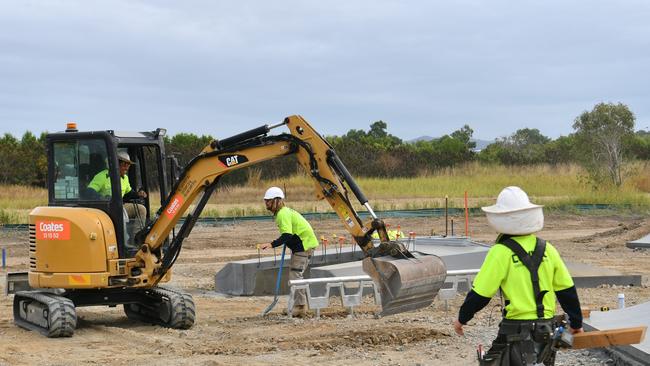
x=406, y=281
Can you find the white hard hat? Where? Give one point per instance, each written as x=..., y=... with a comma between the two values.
x=514, y=214
x=273, y=192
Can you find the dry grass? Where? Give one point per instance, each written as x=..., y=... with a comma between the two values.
x=17, y=201
x=554, y=186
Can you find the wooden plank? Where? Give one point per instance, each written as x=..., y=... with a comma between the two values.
x=610, y=337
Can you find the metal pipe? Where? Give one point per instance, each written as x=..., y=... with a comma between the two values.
x=330, y=279
x=459, y=272
x=4, y=258
x=462, y=272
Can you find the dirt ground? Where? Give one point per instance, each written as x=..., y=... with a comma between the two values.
x=229, y=330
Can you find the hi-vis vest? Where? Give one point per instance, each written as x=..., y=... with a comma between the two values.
x=503, y=269
x=291, y=222
x=101, y=183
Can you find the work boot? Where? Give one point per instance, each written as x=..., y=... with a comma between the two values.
x=299, y=311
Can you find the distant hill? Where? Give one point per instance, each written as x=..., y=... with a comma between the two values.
x=480, y=144
x=421, y=138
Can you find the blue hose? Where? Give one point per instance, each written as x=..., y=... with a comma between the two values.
x=277, y=283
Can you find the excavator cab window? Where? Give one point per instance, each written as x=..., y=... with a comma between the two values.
x=76, y=163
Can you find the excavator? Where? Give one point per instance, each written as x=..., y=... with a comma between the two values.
x=85, y=251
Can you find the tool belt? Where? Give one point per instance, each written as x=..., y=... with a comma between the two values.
x=522, y=343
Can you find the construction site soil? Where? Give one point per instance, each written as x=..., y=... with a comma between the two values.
x=229, y=330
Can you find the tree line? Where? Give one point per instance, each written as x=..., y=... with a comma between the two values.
x=602, y=140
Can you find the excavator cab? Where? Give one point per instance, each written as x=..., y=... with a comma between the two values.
x=75, y=159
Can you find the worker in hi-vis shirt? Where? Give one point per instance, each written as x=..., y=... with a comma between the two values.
x=531, y=276
x=101, y=183
x=298, y=235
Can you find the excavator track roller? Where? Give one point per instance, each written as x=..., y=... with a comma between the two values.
x=165, y=307
x=406, y=284
x=50, y=314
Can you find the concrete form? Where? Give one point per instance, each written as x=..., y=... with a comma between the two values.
x=588, y=276
x=632, y=316
x=257, y=277
x=639, y=243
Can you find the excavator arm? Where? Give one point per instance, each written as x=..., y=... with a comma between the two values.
x=406, y=281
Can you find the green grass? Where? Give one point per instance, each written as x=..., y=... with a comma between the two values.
x=556, y=187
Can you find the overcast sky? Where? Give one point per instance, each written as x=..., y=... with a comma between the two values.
x=221, y=67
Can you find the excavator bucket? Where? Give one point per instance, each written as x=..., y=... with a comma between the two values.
x=406, y=284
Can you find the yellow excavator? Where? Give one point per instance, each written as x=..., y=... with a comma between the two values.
x=84, y=250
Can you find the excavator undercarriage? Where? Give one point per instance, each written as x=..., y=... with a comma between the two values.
x=53, y=313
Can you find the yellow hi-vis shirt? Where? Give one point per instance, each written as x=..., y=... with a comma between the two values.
x=291, y=222
x=101, y=183
x=503, y=269
x=392, y=235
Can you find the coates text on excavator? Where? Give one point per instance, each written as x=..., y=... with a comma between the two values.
x=85, y=250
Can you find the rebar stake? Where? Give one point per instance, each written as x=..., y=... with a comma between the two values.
x=446, y=216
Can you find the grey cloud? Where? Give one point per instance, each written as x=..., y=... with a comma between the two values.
x=425, y=67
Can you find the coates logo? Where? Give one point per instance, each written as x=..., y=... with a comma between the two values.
x=53, y=230
x=173, y=207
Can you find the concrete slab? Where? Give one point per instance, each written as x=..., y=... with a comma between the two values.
x=632, y=316
x=252, y=277
x=588, y=276
x=639, y=243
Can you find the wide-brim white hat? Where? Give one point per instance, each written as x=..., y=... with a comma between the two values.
x=514, y=214
x=521, y=222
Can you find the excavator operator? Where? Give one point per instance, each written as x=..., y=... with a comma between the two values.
x=298, y=236
x=101, y=183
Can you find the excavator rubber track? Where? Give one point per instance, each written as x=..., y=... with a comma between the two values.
x=165, y=307
x=406, y=284
x=50, y=314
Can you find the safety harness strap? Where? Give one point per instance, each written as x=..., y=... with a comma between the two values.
x=532, y=263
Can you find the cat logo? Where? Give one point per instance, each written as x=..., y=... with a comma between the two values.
x=232, y=160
